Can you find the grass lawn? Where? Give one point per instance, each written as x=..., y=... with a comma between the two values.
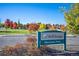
x=17, y=31
x=14, y=31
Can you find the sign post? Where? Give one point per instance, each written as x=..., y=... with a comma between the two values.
x=65, y=41
x=51, y=37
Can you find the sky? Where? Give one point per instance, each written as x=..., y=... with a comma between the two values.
x=48, y=13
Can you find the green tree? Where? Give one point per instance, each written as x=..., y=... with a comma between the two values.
x=72, y=19
x=0, y=23
x=19, y=24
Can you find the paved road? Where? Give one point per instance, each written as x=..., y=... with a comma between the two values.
x=72, y=42
x=6, y=40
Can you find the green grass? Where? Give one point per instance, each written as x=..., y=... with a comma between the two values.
x=14, y=31
x=18, y=31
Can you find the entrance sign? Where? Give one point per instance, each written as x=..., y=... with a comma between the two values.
x=51, y=37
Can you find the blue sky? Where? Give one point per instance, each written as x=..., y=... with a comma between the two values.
x=33, y=12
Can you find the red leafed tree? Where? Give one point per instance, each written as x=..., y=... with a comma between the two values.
x=33, y=27
x=7, y=23
x=14, y=25
x=11, y=24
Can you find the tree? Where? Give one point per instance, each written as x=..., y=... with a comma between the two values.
x=72, y=19
x=7, y=23
x=48, y=26
x=0, y=23
x=33, y=27
x=62, y=27
x=42, y=26
x=14, y=25
x=53, y=27
x=19, y=24
x=24, y=26
x=11, y=24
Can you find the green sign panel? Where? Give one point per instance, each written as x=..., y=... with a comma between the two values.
x=51, y=37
